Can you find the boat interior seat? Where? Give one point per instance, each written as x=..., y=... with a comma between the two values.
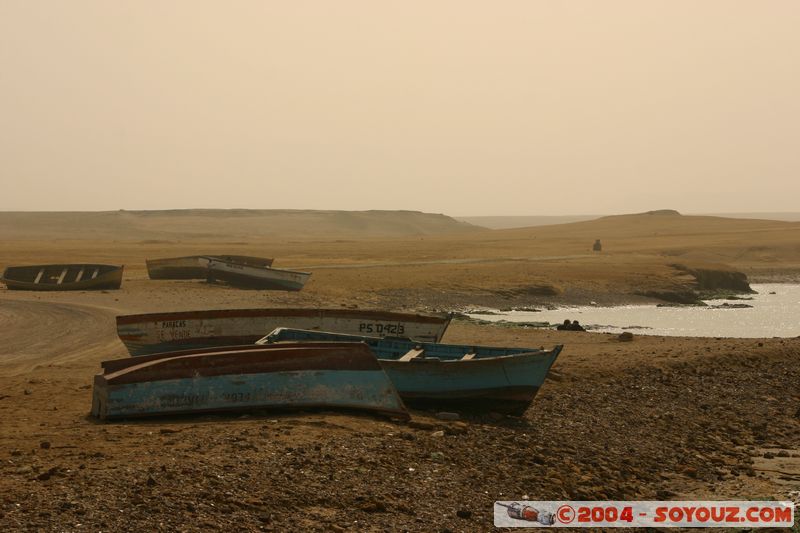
x=468, y=356
x=412, y=354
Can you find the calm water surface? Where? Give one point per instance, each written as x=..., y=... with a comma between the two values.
x=772, y=315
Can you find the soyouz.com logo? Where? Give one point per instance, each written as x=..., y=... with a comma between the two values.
x=643, y=514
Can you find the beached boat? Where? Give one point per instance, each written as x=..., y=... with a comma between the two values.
x=461, y=377
x=196, y=266
x=68, y=277
x=167, y=332
x=255, y=277
x=332, y=375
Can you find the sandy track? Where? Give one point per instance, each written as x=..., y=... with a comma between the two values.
x=38, y=333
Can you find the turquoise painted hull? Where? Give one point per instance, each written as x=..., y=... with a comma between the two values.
x=332, y=375
x=463, y=377
x=506, y=384
x=332, y=389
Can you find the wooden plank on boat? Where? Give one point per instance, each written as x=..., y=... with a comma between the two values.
x=62, y=276
x=39, y=275
x=469, y=356
x=80, y=274
x=412, y=354
x=96, y=271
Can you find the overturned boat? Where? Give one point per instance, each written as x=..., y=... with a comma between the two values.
x=196, y=266
x=461, y=377
x=250, y=276
x=167, y=332
x=333, y=375
x=66, y=277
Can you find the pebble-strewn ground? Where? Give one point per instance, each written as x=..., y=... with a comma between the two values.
x=654, y=418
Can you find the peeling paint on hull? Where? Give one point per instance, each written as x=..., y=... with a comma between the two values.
x=195, y=266
x=66, y=277
x=253, y=277
x=169, y=332
x=339, y=375
x=474, y=378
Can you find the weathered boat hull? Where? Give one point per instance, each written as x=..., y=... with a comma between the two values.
x=252, y=277
x=196, y=266
x=63, y=277
x=462, y=377
x=336, y=375
x=167, y=332
x=504, y=385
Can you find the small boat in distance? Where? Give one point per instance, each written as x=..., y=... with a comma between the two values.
x=66, y=277
x=196, y=266
x=334, y=375
x=460, y=377
x=255, y=277
x=182, y=330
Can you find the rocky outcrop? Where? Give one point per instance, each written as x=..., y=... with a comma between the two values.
x=717, y=280
x=677, y=296
x=701, y=283
x=542, y=289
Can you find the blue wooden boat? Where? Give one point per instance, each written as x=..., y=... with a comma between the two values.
x=474, y=378
x=324, y=375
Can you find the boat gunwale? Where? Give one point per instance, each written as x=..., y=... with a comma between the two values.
x=114, y=365
x=275, y=311
x=213, y=260
x=156, y=262
x=555, y=351
x=354, y=348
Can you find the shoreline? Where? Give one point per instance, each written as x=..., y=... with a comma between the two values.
x=654, y=418
x=743, y=316
x=602, y=427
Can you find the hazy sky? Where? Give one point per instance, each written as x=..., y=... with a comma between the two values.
x=458, y=107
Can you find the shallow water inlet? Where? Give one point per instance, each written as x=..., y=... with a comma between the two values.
x=775, y=312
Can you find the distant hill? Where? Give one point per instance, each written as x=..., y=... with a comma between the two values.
x=741, y=242
x=508, y=222
x=185, y=224
x=786, y=216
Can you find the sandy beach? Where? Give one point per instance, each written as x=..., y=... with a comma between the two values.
x=655, y=418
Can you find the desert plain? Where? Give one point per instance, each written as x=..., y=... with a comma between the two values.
x=653, y=418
